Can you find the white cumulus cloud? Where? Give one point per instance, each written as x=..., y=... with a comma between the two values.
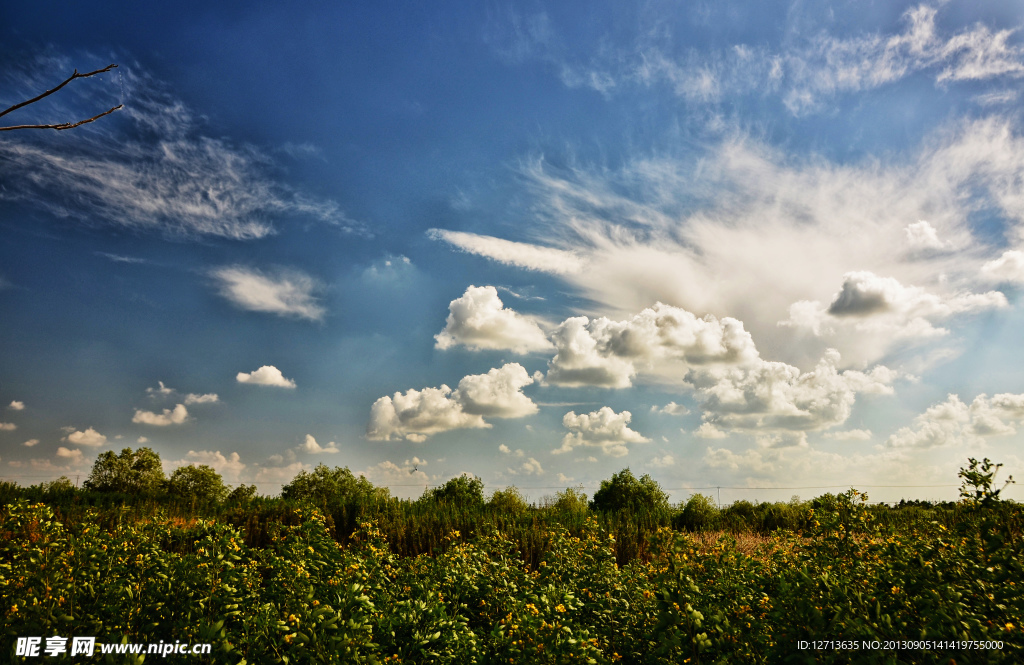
x=71, y=457
x=659, y=340
x=870, y=313
x=417, y=414
x=953, y=422
x=478, y=320
x=8, y=427
x=208, y=398
x=89, y=437
x=30, y=443
x=1007, y=268
x=498, y=393
x=267, y=375
x=781, y=403
x=602, y=429
x=16, y=406
x=311, y=447
x=229, y=467
x=671, y=409
x=176, y=416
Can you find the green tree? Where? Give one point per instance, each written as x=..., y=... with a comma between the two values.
x=625, y=491
x=326, y=486
x=131, y=472
x=571, y=500
x=699, y=513
x=508, y=501
x=460, y=491
x=242, y=494
x=202, y=483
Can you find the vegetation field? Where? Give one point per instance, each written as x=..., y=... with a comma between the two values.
x=344, y=574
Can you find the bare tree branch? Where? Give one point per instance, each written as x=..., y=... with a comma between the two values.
x=63, y=125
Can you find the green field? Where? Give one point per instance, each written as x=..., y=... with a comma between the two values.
x=450, y=578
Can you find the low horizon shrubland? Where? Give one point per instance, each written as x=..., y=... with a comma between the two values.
x=282, y=580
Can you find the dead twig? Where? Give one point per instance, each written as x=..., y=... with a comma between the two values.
x=62, y=125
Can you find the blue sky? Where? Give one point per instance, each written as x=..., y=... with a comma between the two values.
x=748, y=245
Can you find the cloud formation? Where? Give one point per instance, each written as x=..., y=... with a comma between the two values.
x=659, y=340
x=478, y=320
x=208, y=398
x=778, y=402
x=519, y=254
x=953, y=423
x=8, y=427
x=89, y=437
x=405, y=480
x=602, y=429
x=805, y=73
x=229, y=467
x=870, y=313
x=671, y=409
x=282, y=292
x=267, y=375
x=176, y=416
x=152, y=166
x=16, y=406
x=418, y=414
x=70, y=457
x=1007, y=268
x=753, y=220
x=311, y=447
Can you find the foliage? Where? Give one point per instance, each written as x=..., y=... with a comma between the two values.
x=528, y=592
x=459, y=491
x=624, y=492
x=508, y=501
x=200, y=482
x=325, y=486
x=131, y=472
x=699, y=513
x=571, y=500
x=242, y=494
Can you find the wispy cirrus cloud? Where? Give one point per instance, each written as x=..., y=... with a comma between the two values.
x=518, y=254
x=805, y=72
x=153, y=166
x=282, y=292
